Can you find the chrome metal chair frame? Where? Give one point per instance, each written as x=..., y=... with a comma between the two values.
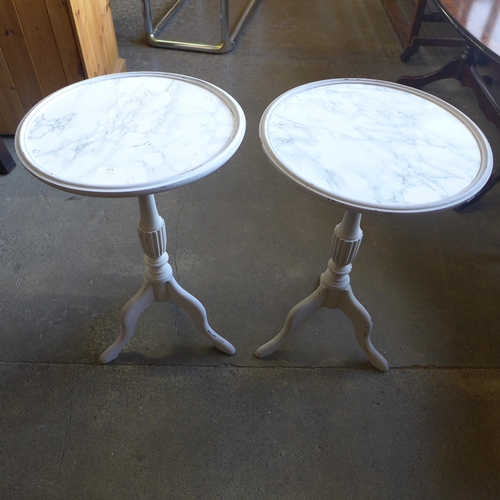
x=227, y=38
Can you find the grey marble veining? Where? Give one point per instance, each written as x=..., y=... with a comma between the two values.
x=127, y=132
x=374, y=146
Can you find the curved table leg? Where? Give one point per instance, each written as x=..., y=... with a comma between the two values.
x=362, y=322
x=129, y=316
x=449, y=70
x=198, y=314
x=295, y=317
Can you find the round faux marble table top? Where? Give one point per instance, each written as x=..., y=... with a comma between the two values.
x=130, y=133
x=378, y=146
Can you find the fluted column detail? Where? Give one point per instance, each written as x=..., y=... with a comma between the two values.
x=344, y=251
x=153, y=239
x=346, y=241
x=153, y=243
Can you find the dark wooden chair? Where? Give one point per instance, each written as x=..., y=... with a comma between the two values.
x=424, y=11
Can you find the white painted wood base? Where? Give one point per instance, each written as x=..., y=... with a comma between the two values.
x=334, y=292
x=159, y=285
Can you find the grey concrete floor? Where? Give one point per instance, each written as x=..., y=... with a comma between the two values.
x=173, y=417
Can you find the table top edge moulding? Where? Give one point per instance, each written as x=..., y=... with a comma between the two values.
x=343, y=200
x=224, y=118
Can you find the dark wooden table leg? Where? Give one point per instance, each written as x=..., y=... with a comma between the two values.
x=411, y=47
x=7, y=163
x=453, y=69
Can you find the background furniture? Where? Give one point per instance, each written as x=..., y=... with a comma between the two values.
x=369, y=146
x=7, y=163
x=408, y=30
x=135, y=134
x=228, y=37
x=479, y=22
x=48, y=44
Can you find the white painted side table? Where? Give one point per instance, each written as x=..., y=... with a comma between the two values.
x=369, y=146
x=135, y=134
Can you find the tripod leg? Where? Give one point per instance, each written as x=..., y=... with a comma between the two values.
x=295, y=317
x=362, y=323
x=198, y=314
x=129, y=316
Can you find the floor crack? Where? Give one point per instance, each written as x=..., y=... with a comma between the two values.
x=61, y=457
x=256, y=366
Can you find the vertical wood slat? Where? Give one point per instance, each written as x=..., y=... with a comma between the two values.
x=62, y=28
x=17, y=54
x=96, y=36
x=11, y=108
x=114, y=62
x=42, y=44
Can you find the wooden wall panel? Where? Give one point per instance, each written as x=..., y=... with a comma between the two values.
x=96, y=36
x=42, y=44
x=48, y=44
x=17, y=54
x=108, y=39
x=11, y=108
x=62, y=28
